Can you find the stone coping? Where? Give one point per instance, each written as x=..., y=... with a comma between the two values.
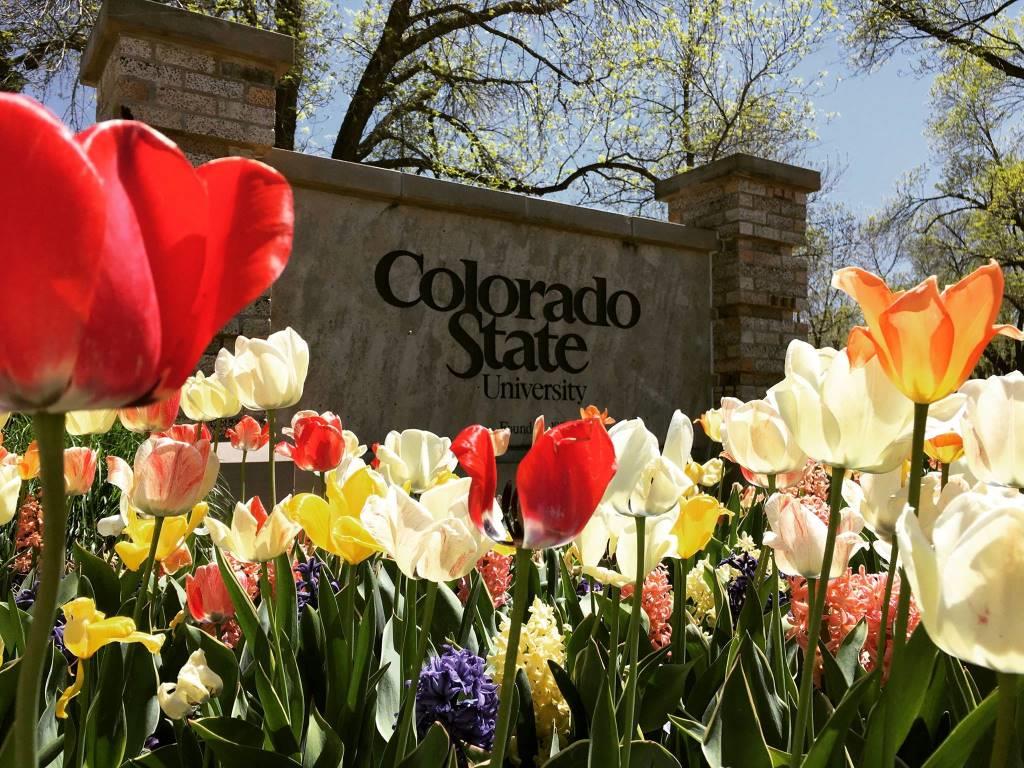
x=367, y=181
x=157, y=21
x=740, y=164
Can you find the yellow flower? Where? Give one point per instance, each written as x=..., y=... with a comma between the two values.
x=333, y=524
x=945, y=448
x=696, y=523
x=133, y=553
x=707, y=474
x=541, y=639
x=87, y=630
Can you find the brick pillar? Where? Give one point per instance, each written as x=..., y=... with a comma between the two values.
x=759, y=210
x=207, y=83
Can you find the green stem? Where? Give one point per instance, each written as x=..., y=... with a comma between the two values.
x=405, y=726
x=678, y=607
x=803, y=708
x=944, y=474
x=147, y=571
x=1006, y=726
x=883, y=630
x=49, y=432
x=273, y=472
x=84, y=697
x=615, y=596
x=521, y=574
x=914, y=500
x=634, y=645
x=244, y=453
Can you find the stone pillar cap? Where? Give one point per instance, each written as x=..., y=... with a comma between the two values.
x=158, y=21
x=740, y=164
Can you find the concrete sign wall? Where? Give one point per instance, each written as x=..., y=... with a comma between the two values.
x=433, y=304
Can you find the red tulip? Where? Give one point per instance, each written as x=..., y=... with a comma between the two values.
x=559, y=482
x=122, y=261
x=247, y=435
x=319, y=443
x=157, y=417
x=207, y=595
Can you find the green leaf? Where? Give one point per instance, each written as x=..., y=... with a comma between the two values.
x=275, y=718
x=955, y=751
x=901, y=700
x=604, y=742
x=830, y=740
x=577, y=755
x=102, y=578
x=245, y=612
x=648, y=754
x=660, y=693
x=743, y=744
x=285, y=604
x=573, y=699
x=389, y=692
x=323, y=747
x=238, y=744
x=526, y=725
x=431, y=752
x=105, y=745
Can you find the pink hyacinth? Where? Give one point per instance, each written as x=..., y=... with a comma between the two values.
x=850, y=598
x=496, y=571
x=657, y=604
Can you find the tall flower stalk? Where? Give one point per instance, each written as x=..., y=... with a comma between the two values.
x=520, y=589
x=818, y=587
x=49, y=432
x=634, y=645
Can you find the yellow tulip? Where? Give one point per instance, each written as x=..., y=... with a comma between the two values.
x=87, y=630
x=696, y=523
x=945, y=448
x=176, y=530
x=333, y=524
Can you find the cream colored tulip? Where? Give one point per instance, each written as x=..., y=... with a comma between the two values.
x=609, y=531
x=755, y=437
x=255, y=536
x=415, y=460
x=966, y=576
x=880, y=499
x=10, y=488
x=206, y=398
x=993, y=429
x=798, y=537
x=266, y=374
x=89, y=422
x=846, y=416
x=648, y=481
x=433, y=538
x=195, y=685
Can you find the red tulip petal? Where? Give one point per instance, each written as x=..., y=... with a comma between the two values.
x=475, y=451
x=194, y=598
x=561, y=480
x=52, y=213
x=249, y=242
x=153, y=261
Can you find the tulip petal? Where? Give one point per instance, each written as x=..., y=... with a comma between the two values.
x=867, y=289
x=475, y=451
x=52, y=214
x=251, y=219
x=153, y=253
x=919, y=333
x=973, y=304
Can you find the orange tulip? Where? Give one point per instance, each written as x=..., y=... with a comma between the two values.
x=79, y=470
x=927, y=341
x=28, y=462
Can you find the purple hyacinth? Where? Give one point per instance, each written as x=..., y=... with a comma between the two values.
x=455, y=691
x=587, y=585
x=25, y=598
x=746, y=564
x=308, y=584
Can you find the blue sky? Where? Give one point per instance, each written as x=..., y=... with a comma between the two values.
x=878, y=134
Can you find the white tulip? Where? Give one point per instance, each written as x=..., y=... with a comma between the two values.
x=755, y=437
x=196, y=684
x=206, y=398
x=433, y=538
x=648, y=481
x=10, y=488
x=255, y=536
x=993, y=429
x=966, y=574
x=845, y=416
x=798, y=537
x=90, y=422
x=266, y=374
x=415, y=460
